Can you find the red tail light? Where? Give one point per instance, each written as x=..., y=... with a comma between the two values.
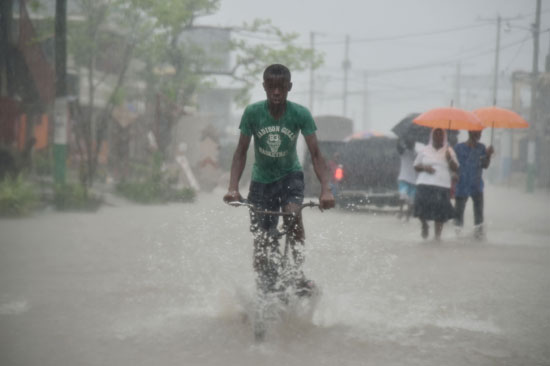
x=339, y=173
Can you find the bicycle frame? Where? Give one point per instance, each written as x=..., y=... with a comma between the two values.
x=261, y=314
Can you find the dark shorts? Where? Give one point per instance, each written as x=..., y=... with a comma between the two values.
x=433, y=203
x=272, y=197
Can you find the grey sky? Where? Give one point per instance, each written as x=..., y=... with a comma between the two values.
x=433, y=56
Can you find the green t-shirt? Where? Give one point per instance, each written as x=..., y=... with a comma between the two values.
x=275, y=140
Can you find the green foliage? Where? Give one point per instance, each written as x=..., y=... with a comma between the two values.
x=275, y=47
x=185, y=194
x=75, y=197
x=176, y=14
x=159, y=29
x=35, y=5
x=17, y=197
x=156, y=187
x=161, y=38
x=42, y=163
x=150, y=192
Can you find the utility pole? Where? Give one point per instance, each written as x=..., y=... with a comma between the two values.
x=7, y=82
x=495, y=72
x=499, y=20
x=346, y=65
x=457, y=85
x=497, y=55
x=365, y=125
x=311, y=76
x=61, y=115
x=531, y=147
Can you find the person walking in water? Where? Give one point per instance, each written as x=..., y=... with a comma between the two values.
x=433, y=185
x=473, y=157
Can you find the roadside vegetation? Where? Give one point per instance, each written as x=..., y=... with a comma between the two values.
x=18, y=197
x=153, y=185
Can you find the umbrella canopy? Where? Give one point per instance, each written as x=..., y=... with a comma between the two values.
x=496, y=117
x=409, y=131
x=449, y=118
x=362, y=135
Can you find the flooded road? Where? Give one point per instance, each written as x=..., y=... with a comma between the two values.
x=170, y=285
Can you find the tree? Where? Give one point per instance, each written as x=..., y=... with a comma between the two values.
x=153, y=32
x=86, y=40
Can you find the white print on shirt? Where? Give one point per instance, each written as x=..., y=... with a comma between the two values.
x=277, y=154
x=271, y=129
x=274, y=141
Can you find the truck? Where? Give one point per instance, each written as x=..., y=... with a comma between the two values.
x=366, y=174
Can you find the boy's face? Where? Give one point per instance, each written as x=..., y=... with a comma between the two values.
x=276, y=89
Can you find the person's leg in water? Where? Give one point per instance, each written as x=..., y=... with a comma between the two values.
x=266, y=254
x=296, y=241
x=411, y=192
x=292, y=196
x=410, y=209
x=403, y=199
x=460, y=205
x=438, y=228
x=478, y=215
x=425, y=228
x=266, y=260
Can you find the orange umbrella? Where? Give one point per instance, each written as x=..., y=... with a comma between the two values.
x=496, y=117
x=450, y=118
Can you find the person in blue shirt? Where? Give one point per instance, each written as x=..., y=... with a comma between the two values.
x=473, y=158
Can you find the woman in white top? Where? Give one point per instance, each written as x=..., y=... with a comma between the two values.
x=433, y=185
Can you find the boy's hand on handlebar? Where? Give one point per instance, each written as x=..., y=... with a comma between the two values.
x=326, y=200
x=232, y=196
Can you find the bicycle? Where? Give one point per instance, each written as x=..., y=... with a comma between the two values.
x=277, y=279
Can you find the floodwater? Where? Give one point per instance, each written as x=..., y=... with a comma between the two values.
x=171, y=285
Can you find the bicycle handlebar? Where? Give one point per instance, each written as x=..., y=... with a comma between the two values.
x=266, y=212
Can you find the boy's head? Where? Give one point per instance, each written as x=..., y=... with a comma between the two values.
x=277, y=83
x=277, y=71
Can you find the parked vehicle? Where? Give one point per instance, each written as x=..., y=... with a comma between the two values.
x=368, y=175
x=331, y=127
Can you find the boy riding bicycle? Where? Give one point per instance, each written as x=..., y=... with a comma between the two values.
x=277, y=177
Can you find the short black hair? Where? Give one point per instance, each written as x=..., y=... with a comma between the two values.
x=277, y=70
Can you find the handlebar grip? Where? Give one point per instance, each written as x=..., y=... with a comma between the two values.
x=238, y=203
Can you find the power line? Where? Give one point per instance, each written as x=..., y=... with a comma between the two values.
x=440, y=63
x=517, y=52
x=420, y=34
x=246, y=33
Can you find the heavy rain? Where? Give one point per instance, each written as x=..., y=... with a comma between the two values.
x=125, y=125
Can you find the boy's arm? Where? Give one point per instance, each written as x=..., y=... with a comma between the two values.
x=326, y=200
x=237, y=168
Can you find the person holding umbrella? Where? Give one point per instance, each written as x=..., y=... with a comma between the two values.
x=435, y=162
x=473, y=158
x=433, y=185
